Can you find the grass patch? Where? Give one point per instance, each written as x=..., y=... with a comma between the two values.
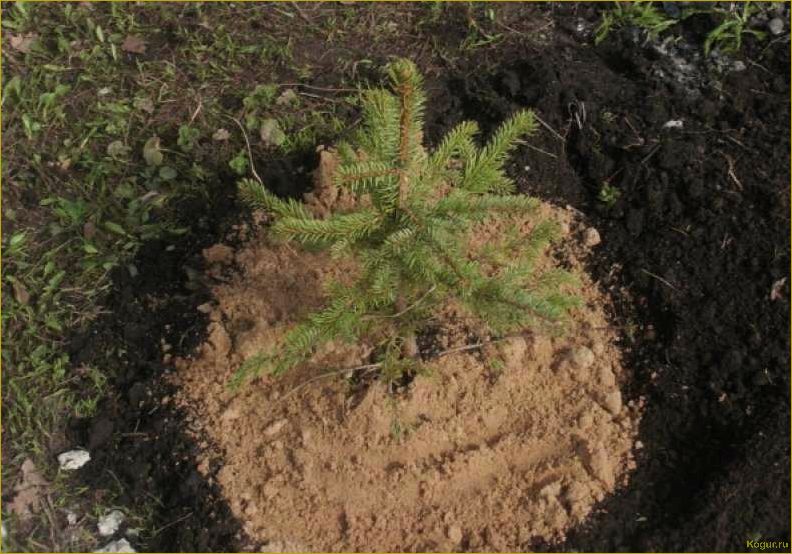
x=112, y=114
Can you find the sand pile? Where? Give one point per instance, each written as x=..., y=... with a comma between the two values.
x=493, y=449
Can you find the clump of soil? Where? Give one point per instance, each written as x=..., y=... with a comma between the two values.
x=495, y=448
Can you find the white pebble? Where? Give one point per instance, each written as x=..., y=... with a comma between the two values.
x=775, y=26
x=110, y=522
x=591, y=237
x=74, y=459
x=121, y=545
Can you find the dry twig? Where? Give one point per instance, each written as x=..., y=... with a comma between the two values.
x=249, y=150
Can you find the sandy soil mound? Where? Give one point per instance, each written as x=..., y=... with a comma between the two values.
x=496, y=447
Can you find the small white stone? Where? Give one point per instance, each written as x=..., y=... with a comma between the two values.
x=775, y=26
x=110, y=522
x=121, y=545
x=71, y=517
x=591, y=237
x=74, y=459
x=674, y=124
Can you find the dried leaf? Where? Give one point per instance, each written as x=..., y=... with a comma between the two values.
x=23, y=43
x=89, y=230
x=152, y=153
x=21, y=293
x=25, y=502
x=777, y=291
x=144, y=104
x=29, y=491
x=31, y=474
x=287, y=97
x=221, y=134
x=134, y=44
x=167, y=173
x=271, y=132
x=117, y=149
x=64, y=163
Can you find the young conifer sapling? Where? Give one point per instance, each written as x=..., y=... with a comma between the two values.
x=409, y=234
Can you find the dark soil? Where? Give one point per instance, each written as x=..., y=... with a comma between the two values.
x=697, y=238
x=137, y=440
x=690, y=250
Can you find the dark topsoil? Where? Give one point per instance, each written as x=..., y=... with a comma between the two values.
x=690, y=250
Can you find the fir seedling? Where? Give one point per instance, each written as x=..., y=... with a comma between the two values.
x=409, y=234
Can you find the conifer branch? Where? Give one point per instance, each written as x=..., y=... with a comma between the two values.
x=459, y=142
x=352, y=227
x=412, y=241
x=256, y=195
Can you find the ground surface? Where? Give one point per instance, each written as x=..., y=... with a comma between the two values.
x=694, y=222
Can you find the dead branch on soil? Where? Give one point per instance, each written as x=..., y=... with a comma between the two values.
x=370, y=367
x=249, y=150
x=547, y=126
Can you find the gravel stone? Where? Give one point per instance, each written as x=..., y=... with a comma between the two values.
x=775, y=26
x=591, y=237
x=110, y=522
x=121, y=545
x=73, y=459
